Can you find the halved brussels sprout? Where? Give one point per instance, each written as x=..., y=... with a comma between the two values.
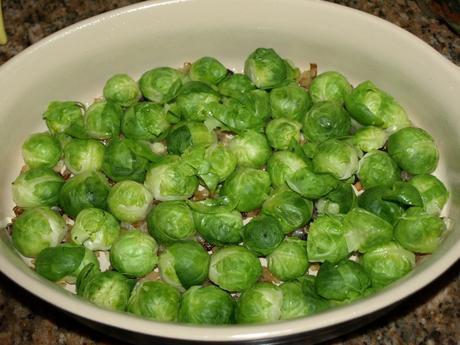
x=372, y=201
x=187, y=134
x=330, y=86
x=160, y=85
x=122, y=90
x=219, y=228
x=41, y=150
x=235, y=84
x=82, y=155
x=262, y=235
x=207, y=69
x=65, y=117
x=311, y=185
x=336, y=158
x=145, y=121
x=339, y=201
x=250, y=149
x=103, y=119
x=283, y=164
x=433, y=192
x=290, y=101
x=282, y=132
x=369, y=138
x=377, y=168
x=289, y=260
x=265, y=68
x=194, y=99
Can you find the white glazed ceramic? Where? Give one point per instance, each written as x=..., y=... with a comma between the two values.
x=73, y=64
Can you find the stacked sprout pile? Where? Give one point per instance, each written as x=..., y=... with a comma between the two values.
x=222, y=197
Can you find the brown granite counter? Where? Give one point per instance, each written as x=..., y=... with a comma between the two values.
x=432, y=316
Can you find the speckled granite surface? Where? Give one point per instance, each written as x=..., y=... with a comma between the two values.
x=432, y=316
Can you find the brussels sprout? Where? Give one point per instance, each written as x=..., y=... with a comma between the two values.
x=134, y=254
x=339, y=201
x=102, y=120
x=290, y=101
x=283, y=164
x=37, y=187
x=187, y=134
x=336, y=158
x=160, y=85
x=377, y=168
x=315, y=301
x=129, y=201
x=171, y=180
x=364, y=230
x=295, y=304
x=36, y=229
x=290, y=209
x=184, y=264
x=433, y=192
x=371, y=106
x=265, y=68
x=282, y=132
x=262, y=235
x=213, y=205
x=326, y=120
x=372, y=201
x=41, y=150
x=369, y=138
x=193, y=100
x=330, y=86
x=171, y=221
x=219, y=228
x=207, y=305
x=404, y=194
x=234, y=268
x=326, y=239
x=311, y=185
x=260, y=303
x=95, y=229
x=346, y=280
x=250, y=187
x=82, y=155
x=251, y=149
x=235, y=84
x=387, y=263
x=414, y=150
x=89, y=189
x=208, y=70
x=419, y=231
x=64, y=262
x=145, y=121
x=65, y=117
x=289, y=260
x=222, y=162
x=122, y=90
x=155, y=300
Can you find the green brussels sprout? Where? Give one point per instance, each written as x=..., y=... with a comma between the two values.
x=63, y=139
x=222, y=162
x=184, y=264
x=213, y=205
x=82, y=155
x=326, y=120
x=346, y=280
x=311, y=185
x=419, y=231
x=129, y=201
x=433, y=192
x=250, y=187
x=134, y=254
x=187, y=134
x=339, y=201
x=37, y=187
x=171, y=221
x=289, y=208
x=387, y=263
x=36, y=229
x=371, y=106
x=377, y=168
x=262, y=235
x=206, y=305
x=265, y=68
x=41, y=150
x=295, y=304
x=193, y=100
x=260, y=303
x=414, y=150
x=103, y=119
x=336, y=158
x=171, y=180
x=121, y=89
x=219, y=228
x=326, y=239
x=64, y=262
x=234, y=268
x=96, y=229
x=145, y=121
x=290, y=101
x=404, y=194
x=160, y=85
x=235, y=84
x=315, y=301
x=364, y=230
x=208, y=70
x=282, y=132
x=369, y=138
x=289, y=260
x=372, y=201
x=65, y=117
x=250, y=149
x=330, y=86
x=89, y=189
x=155, y=300
x=283, y=164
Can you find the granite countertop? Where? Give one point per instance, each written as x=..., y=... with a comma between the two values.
x=431, y=316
